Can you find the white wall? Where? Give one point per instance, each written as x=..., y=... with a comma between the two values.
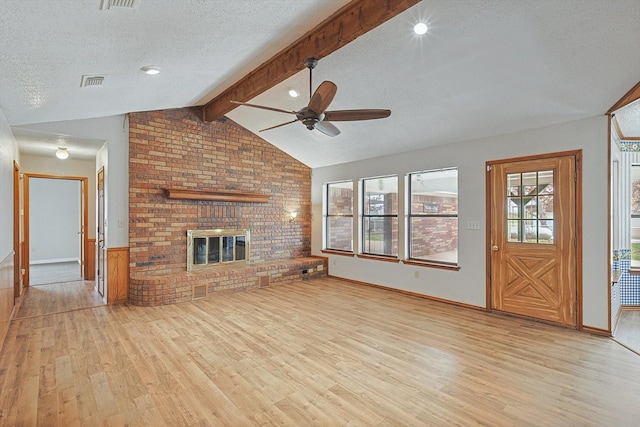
x=468, y=285
x=114, y=131
x=8, y=153
x=71, y=167
x=54, y=220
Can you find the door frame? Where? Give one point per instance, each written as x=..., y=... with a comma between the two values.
x=84, y=197
x=17, y=266
x=101, y=250
x=577, y=154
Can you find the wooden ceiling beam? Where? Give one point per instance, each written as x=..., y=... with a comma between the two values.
x=350, y=22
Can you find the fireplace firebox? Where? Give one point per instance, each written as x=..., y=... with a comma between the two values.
x=210, y=248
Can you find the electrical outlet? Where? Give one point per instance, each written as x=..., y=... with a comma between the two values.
x=121, y=223
x=320, y=267
x=416, y=274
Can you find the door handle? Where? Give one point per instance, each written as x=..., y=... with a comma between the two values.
x=494, y=248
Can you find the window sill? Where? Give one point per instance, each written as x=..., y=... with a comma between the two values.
x=336, y=252
x=432, y=264
x=634, y=270
x=378, y=258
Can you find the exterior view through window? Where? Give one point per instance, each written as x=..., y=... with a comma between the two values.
x=530, y=207
x=635, y=216
x=433, y=216
x=380, y=216
x=339, y=216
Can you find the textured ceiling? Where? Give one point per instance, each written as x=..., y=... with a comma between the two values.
x=485, y=67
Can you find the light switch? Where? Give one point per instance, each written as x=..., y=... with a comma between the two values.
x=473, y=225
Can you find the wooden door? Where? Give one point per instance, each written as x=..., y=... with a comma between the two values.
x=101, y=250
x=533, y=238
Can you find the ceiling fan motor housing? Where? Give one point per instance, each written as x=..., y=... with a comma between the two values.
x=308, y=117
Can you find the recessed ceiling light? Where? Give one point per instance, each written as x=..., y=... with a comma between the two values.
x=294, y=93
x=150, y=70
x=62, y=153
x=420, y=28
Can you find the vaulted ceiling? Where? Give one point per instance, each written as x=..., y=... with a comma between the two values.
x=485, y=67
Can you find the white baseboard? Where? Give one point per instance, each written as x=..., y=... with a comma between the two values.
x=54, y=261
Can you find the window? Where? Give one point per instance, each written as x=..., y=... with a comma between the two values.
x=635, y=216
x=530, y=207
x=380, y=216
x=339, y=216
x=433, y=216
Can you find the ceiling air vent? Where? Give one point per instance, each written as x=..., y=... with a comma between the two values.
x=92, y=81
x=119, y=4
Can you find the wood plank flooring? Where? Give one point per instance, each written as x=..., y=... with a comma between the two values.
x=628, y=332
x=317, y=352
x=57, y=298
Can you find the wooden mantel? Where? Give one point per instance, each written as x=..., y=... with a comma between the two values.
x=218, y=196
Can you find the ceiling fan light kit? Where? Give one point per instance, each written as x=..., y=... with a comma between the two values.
x=315, y=114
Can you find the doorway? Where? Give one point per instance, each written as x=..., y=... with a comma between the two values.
x=534, y=268
x=65, y=203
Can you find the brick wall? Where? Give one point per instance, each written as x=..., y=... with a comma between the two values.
x=434, y=235
x=175, y=149
x=341, y=202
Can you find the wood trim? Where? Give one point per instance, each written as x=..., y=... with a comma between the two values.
x=487, y=227
x=431, y=264
x=84, y=205
x=579, y=242
x=25, y=253
x=621, y=136
x=348, y=23
x=628, y=98
x=219, y=196
x=90, y=269
x=534, y=157
x=596, y=331
x=378, y=258
x=17, y=288
x=117, y=275
x=413, y=294
x=7, y=300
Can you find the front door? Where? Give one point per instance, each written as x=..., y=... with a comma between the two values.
x=533, y=235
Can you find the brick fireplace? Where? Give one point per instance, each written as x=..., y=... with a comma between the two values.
x=175, y=149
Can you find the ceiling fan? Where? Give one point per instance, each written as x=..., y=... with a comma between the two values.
x=315, y=114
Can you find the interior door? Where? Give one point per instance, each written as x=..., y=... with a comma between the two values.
x=533, y=238
x=101, y=271
x=83, y=224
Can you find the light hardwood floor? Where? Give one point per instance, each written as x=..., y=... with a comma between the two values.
x=628, y=332
x=57, y=298
x=318, y=352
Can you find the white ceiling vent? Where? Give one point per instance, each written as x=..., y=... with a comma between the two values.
x=92, y=81
x=119, y=4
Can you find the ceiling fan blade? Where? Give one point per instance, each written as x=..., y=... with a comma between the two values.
x=349, y=115
x=327, y=128
x=262, y=107
x=277, y=126
x=322, y=97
